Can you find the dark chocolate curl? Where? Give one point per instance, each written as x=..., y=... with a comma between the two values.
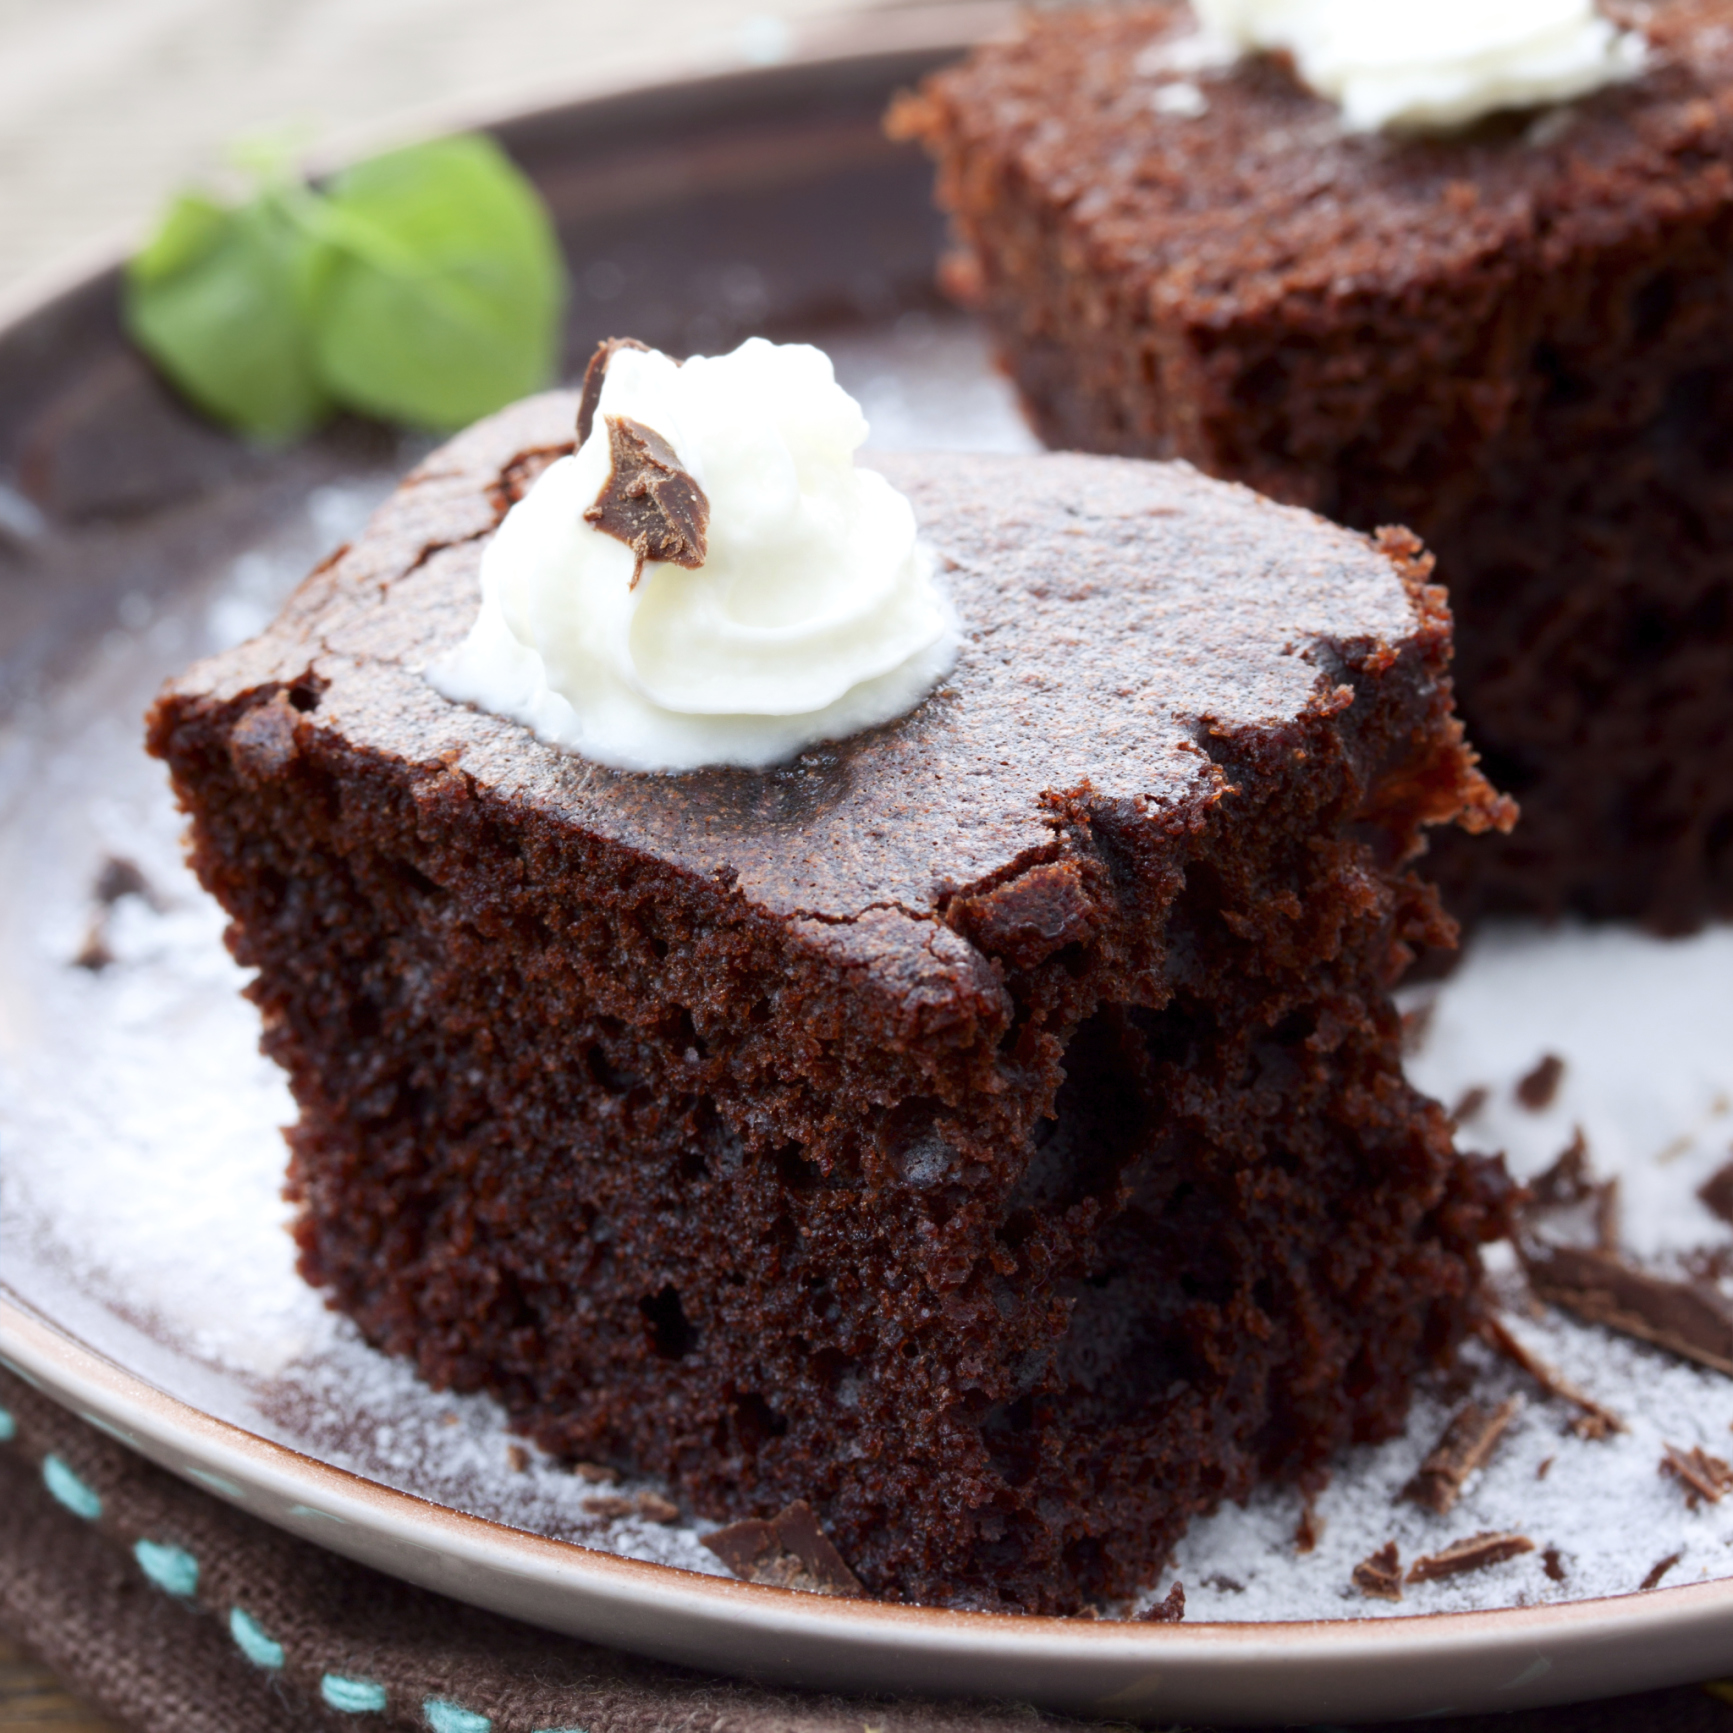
x=595, y=375
x=648, y=501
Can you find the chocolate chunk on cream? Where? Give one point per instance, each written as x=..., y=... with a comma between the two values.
x=649, y=501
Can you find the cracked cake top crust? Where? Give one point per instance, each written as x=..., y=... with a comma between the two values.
x=1117, y=615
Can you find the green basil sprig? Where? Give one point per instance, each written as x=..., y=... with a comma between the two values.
x=423, y=287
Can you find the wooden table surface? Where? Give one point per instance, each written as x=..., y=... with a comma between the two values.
x=31, y=1700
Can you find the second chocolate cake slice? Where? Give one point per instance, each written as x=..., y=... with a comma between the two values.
x=989, y=1128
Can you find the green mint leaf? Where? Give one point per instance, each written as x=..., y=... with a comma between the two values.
x=441, y=295
x=218, y=300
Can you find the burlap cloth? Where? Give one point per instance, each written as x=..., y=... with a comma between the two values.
x=175, y=1613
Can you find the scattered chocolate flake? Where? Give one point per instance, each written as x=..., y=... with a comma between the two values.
x=1592, y=1422
x=790, y=1551
x=119, y=878
x=648, y=501
x=1607, y=1215
x=596, y=1473
x=1467, y=1443
x=1545, y=1467
x=94, y=953
x=652, y=1506
x=595, y=376
x=1537, y=1089
x=1717, y=1192
x=1380, y=1576
x=1567, y=1180
x=1690, y=1318
x=518, y=1458
x=1476, y=1553
x=1552, y=1564
x=1226, y=1585
x=1703, y=1477
x=1169, y=1610
x=1659, y=1569
x=1309, y=1530
x=1471, y=1103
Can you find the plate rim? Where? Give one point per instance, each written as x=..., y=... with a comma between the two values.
x=274, y=1480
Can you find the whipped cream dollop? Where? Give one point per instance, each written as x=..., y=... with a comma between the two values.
x=802, y=606
x=1432, y=64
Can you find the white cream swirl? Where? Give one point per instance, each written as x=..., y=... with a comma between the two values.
x=814, y=614
x=1432, y=64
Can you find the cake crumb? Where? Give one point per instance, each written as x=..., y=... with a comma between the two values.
x=596, y=1473
x=1466, y=1445
x=1553, y=1564
x=518, y=1457
x=1537, y=1089
x=1169, y=1610
x=1476, y=1553
x=1309, y=1530
x=1703, y=1477
x=1380, y=1576
x=1659, y=1570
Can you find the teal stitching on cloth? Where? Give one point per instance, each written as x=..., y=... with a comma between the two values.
x=70, y=1490
x=8, y=1427
x=252, y=1641
x=352, y=1696
x=444, y=1717
x=173, y=1569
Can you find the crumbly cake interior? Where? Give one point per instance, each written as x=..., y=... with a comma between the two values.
x=1515, y=341
x=1011, y=1231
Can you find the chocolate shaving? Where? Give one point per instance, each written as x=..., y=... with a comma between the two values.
x=1309, y=1530
x=1537, y=1089
x=1567, y=1180
x=1592, y=1422
x=93, y=954
x=1467, y=1443
x=517, y=1458
x=648, y=501
x=652, y=1506
x=1471, y=1103
x=1545, y=1467
x=1169, y=1610
x=119, y=878
x=790, y=1551
x=596, y=1473
x=1380, y=1576
x=1690, y=1319
x=1704, y=1477
x=1474, y=1554
x=1717, y=1192
x=1659, y=1570
x=1552, y=1564
x=1607, y=1215
x=595, y=376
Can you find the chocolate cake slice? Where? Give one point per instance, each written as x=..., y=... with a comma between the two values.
x=989, y=1128
x=1517, y=340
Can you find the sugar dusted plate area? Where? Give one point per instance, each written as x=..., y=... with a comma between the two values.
x=147, y=1278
